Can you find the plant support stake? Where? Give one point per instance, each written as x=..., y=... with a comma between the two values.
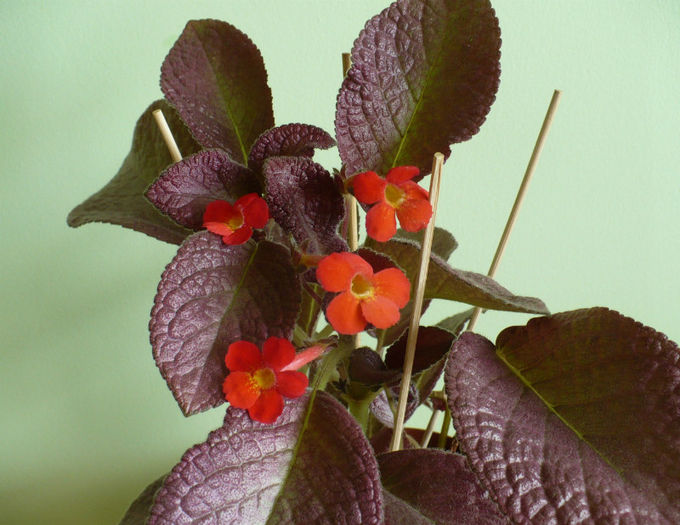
x=167, y=135
x=435, y=183
x=540, y=141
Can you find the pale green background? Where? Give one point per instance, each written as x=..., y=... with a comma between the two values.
x=87, y=420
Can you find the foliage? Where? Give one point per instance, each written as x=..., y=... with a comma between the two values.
x=573, y=418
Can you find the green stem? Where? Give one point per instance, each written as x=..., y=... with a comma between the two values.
x=359, y=408
x=444, y=433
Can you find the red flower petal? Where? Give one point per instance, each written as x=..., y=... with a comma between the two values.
x=216, y=216
x=414, y=214
x=380, y=311
x=392, y=284
x=291, y=384
x=255, y=210
x=401, y=174
x=369, y=187
x=381, y=223
x=345, y=315
x=335, y=271
x=239, y=236
x=277, y=353
x=240, y=390
x=268, y=407
x=243, y=356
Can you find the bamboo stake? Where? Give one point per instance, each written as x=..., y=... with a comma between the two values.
x=167, y=135
x=430, y=428
x=435, y=183
x=353, y=227
x=531, y=167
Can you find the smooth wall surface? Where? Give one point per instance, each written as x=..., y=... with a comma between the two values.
x=87, y=421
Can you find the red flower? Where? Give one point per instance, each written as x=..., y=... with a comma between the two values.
x=395, y=193
x=365, y=297
x=258, y=380
x=235, y=223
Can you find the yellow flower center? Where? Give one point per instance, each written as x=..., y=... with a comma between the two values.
x=362, y=287
x=235, y=222
x=264, y=378
x=394, y=195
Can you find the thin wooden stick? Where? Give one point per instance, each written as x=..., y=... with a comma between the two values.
x=435, y=183
x=430, y=428
x=167, y=135
x=531, y=167
x=353, y=227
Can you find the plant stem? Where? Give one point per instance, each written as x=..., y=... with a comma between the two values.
x=444, y=433
x=359, y=408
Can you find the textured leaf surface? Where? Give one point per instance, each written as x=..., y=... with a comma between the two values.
x=290, y=140
x=319, y=471
x=122, y=200
x=209, y=296
x=140, y=509
x=424, y=75
x=304, y=199
x=215, y=77
x=438, y=485
x=575, y=418
x=444, y=282
x=383, y=412
x=185, y=188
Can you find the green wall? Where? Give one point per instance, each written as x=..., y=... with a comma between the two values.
x=87, y=420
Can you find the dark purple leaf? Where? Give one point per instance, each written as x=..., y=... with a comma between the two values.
x=215, y=77
x=382, y=438
x=424, y=75
x=140, y=509
x=211, y=295
x=366, y=367
x=305, y=201
x=574, y=418
x=438, y=485
x=431, y=345
x=444, y=282
x=290, y=140
x=122, y=200
x=381, y=409
x=319, y=470
x=187, y=187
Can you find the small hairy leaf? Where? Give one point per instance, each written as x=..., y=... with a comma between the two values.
x=215, y=77
x=187, y=187
x=382, y=407
x=438, y=485
x=211, y=295
x=315, y=470
x=573, y=418
x=366, y=367
x=290, y=140
x=304, y=199
x=424, y=75
x=444, y=282
x=122, y=200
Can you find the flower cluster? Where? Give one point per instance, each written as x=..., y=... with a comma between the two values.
x=235, y=222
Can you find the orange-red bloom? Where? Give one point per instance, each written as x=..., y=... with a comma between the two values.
x=235, y=222
x=364, y=297
x=396, y=193
x=258, y=380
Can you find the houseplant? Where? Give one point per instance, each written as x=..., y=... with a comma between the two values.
x=214, y=295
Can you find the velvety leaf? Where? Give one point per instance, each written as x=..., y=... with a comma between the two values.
x=305, y=201
x=290, y=140
x=366, y=366
x=443, y=242
x=575, y=418
x=381, y=409
x=140, y=509
x=424, y=75
x=187, y=187
x=444, y=282
x=431, y=345
x=319, y=470
x=380, y=441
x=122, y=200
x=455, y=323
x=215, y=77
x=211, y=295
x=438, y=485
